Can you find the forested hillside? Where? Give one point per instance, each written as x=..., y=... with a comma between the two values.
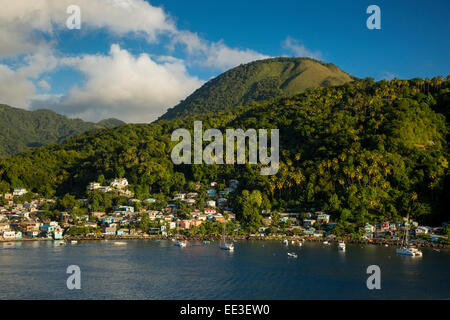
x=21, y=130
x=363, y=151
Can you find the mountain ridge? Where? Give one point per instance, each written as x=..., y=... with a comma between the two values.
x=21, y=129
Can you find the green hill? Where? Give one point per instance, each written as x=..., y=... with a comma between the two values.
x=364, y=151
x=259, y=80
x=21, y=129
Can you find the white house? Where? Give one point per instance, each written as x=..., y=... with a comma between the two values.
x=94, y=186
x=19, y=192
x=119, y=183
x=211, y=203
x=9, y=235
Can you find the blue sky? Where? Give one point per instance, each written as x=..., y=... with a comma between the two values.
x=133, y=59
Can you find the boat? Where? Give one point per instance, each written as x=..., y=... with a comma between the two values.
x=292, y=242
x=326, y=242
x=300, y=243
x=224, y=245
x=386, y=245
x=74, y=242
x=341, y=246
x=406, y=248
x=285, y=242
x=292, y=254
x=180, y=243
x=120, y=243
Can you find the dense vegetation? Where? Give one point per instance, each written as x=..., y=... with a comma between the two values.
x=363, y=151
x=257, y=81
x=21, y=129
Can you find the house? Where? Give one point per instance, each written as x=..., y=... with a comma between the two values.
x=213, y=184
x=218, y=218
x=109, y=230
x=211, y=192
x=308, y=222
x=98, y=214
x=94, y=186
x=150, y=200
x=179, y=196
x=122, y=232
x=211, y=203
x=190, y=202
x=209, y=211
x=192, y=195
x=124, y=208
x=385, y=226
x=323, y=218
x=9, y=235
x=19, y=192
x=58, y=234
x=8, y=196
x=119, y=183
x=368, y=228
x=422, y=230
x=32, y=234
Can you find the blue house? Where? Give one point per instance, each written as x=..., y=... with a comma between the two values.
x=211, y=192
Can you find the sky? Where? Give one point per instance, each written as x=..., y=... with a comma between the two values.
x=134, y=59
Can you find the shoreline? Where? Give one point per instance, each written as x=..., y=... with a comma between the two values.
x=379, y=242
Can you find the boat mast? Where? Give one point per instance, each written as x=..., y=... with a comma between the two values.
x=406, y=231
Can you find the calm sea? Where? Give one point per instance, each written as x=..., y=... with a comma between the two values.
x=256, y=270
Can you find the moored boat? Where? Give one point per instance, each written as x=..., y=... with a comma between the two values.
x=292, y=254
x=180, y=243
x=406, y=248
x=224, y=245
x=341, y=246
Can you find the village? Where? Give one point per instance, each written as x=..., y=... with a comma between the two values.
x=179, y=216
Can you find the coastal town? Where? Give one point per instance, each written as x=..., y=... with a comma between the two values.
x=197, y=213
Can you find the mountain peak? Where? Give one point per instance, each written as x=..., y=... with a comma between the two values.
x=259, y=80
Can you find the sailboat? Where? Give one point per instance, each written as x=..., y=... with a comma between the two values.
x=407, y=249
x=223, y=244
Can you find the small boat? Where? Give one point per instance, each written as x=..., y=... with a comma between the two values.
x=285, y=242
x=386, y=245
x=292, y=255
x=437, y=250
x=206, y=242
x=74, y=242
x=8, y=244
x=341, y=246
x=407, y=249
x=180, y=243
x=300, y=243
x=292, y=242
x=120, y=243
x=326, y=243
x=224, y=245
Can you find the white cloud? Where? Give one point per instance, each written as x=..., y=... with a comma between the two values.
x=215, y=55
x=299, y=50
x=17, y=84
x=133, y=89
x=118, y=84
x=18, y=20
x=15, y=88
